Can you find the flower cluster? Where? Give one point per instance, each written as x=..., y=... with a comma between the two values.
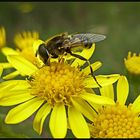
x=63, y=90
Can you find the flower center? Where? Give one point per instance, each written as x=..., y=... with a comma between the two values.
x=57, y=83
x=116, y=122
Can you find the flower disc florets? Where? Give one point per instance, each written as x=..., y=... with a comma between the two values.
x=57, y=83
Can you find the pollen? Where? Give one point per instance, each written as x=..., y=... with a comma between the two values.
x=58, y=82
x=132, y=63
x=117, y=121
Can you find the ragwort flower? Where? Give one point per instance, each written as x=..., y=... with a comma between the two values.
x=60, y=90
x=119, y=120
x=132, y=63
x=24, y=47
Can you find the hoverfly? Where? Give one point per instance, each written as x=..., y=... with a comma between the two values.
x=63, y=44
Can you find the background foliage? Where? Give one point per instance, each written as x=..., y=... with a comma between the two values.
x=120, y=22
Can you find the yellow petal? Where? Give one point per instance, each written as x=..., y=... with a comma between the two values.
x=14, y=97
x=23, y=111
x=1, y=70
x=58, y=121
x=103, y=80
x=14, y=85
x=11, y=75
x=122, y=90
x=21, y=85
x=84, y=108
x=96, y=107
x=136, y=105
x=6, y=65
x=40, y=117
x=94, y=66
x=97, y=99
x=107, y=91
x=2, y=37
x=21, y=64
x=86, y=53
x=78, y=124
x=9, y=51
x=7, y=85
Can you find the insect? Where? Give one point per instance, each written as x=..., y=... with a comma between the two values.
x=64, y=43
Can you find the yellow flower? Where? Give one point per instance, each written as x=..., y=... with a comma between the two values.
x=24, y=42
x=119, y=120
x=60, y=90
x=2, y=37
x=25, y=39
x=132, y=63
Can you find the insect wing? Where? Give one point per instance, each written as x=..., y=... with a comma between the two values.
x=87, y=38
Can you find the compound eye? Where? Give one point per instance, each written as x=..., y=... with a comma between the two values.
x=43, y=53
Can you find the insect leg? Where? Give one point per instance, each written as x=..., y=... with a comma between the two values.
x=84, y=59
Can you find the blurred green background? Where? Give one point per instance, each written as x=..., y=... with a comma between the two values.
x=119, y=21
